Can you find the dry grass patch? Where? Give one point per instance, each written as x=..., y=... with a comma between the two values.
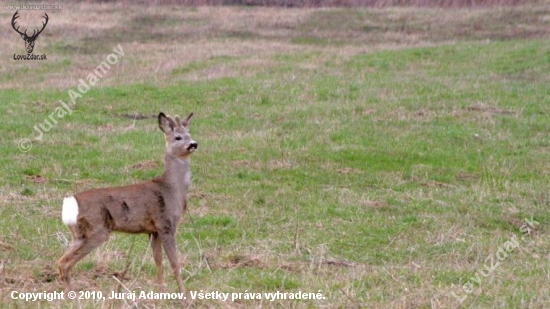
x=480, y=107
x=145, y=165
x=158, y=40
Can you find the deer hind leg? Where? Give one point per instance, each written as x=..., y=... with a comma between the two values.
x=156, y=245
x=84, y=241
x=169, y=243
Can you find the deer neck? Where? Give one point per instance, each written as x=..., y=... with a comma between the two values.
x=177, y=174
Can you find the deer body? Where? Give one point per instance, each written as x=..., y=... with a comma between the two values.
x=153, y=207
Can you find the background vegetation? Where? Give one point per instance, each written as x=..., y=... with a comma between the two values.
x=378, y=155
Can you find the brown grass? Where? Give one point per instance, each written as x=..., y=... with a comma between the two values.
x=171, y=44
x=338, y=3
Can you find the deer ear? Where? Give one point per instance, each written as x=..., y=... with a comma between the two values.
x=186, y=121
x=166, y=124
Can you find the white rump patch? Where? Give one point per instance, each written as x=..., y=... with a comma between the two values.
x=70, y=210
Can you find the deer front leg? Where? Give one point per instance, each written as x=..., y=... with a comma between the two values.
x=156, y=245
x=169, y=243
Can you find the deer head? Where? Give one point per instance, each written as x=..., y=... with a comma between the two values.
x=176, y=132
x=29, y=40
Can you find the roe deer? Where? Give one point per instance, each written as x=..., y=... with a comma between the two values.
x=153, y=207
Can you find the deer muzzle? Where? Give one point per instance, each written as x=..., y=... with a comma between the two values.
x=192, y=146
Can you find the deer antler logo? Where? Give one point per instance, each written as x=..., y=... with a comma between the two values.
x=29, y=40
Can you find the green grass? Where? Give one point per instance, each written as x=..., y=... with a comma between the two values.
x=383, y=178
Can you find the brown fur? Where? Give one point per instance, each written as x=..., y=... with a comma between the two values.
x=153, y=207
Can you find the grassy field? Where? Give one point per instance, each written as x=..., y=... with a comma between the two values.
x=384, y=157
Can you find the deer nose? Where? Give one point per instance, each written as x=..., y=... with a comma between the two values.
x=193, y=145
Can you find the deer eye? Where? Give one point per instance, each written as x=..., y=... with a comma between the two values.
x=178, y=138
